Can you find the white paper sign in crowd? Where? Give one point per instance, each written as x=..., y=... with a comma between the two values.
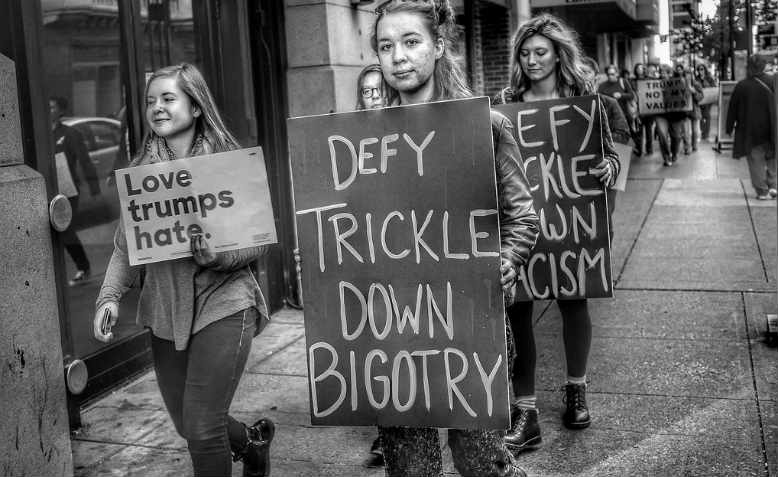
x=225, y=196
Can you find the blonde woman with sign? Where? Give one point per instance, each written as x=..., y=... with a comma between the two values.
x=547, y=64
x=202, y=311
x=413, y=40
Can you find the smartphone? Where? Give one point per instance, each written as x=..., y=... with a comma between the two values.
x=105, y=322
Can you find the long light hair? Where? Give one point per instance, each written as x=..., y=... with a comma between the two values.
x=450, y=80
x=209, y=124
x=571, y=79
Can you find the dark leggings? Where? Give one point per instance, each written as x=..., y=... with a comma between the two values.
x=198, y=384
x=73, y=243
x=576, y=333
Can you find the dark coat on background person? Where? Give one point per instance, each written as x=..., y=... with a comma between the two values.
x=616, y=119
x=751, y=114
x=71, y=142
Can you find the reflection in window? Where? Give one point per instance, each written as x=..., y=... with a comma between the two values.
x=168, y=33
x=81, y=64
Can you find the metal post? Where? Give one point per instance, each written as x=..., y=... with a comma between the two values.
x=749, y=28
x=731, y=15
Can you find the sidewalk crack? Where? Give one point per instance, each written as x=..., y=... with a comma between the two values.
x=753, y=229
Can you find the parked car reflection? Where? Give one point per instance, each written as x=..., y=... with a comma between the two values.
x=103, y=137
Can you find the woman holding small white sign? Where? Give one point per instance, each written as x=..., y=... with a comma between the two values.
x=413, y=41
x=201, y=311
x=547, y=64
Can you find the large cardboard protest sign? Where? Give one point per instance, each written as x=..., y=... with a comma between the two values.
x=560, y=142
x=398, y=231
x=657, y=96
x=224, y=196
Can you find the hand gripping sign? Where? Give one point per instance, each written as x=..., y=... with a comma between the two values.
x=560, y=142
x=224, y=196
x=398, y=231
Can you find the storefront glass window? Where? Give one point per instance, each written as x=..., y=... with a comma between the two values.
x=168, y=34
x=81, y=61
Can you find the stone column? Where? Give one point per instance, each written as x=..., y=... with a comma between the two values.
x=33, y=414
x=327, y=44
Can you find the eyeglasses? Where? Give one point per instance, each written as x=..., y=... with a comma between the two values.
x=369, y=92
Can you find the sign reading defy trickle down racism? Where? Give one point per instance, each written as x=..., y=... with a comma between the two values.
x=560, y=142
x=398, y=232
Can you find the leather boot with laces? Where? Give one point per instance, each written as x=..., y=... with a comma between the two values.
x=576, y=414
x=525, y=430
x=256, y=453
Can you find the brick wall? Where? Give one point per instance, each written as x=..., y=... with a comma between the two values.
x=495, y=38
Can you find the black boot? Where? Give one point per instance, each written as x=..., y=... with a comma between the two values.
x=576, y=415
x=256, y=452
x=376, y=457
x=525, y=430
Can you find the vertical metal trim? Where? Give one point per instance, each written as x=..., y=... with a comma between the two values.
x=132, y=69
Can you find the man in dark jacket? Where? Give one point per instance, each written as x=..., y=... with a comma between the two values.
x=752, y=115
x=70, y=143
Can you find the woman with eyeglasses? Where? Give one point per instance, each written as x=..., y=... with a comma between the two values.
x=547, y=64
x=413, y=40
x=372, y=91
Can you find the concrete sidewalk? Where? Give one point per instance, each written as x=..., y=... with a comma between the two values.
x=682, y=382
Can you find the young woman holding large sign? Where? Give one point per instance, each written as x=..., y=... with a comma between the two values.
x=202, y=311
x=547, y=64
x=413, y=40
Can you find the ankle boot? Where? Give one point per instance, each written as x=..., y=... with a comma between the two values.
x=576, y=414
x=256, y=452
x=524, y=433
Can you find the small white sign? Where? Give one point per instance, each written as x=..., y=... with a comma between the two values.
x=224, y=196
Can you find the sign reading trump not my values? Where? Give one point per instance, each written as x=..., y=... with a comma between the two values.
x=398, y=232
x=656, y=96
x=224, y=196
x=561, y=142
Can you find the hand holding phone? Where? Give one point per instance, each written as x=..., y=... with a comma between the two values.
x=105, y=318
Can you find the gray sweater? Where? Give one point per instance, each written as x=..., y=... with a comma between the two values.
x=180, y=298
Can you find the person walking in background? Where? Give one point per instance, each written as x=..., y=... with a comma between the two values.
x=414, y=41
x=547, y=64
x=621, y=90
x=669, y=127
x=617, y=123
x=202, y=311
x=752, y=115
x=691, y=135
x=644, y=136
x=70, y=154
x=706, y=80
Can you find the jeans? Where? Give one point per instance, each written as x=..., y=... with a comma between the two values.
x=704, y=121
x=198, y=384
x=670, y=133
x=415, y=452
x=761, y=168
x=645, y=135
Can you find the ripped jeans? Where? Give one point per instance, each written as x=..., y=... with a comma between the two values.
x=198, y=385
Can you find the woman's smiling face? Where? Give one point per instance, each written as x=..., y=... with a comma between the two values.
x=169, y=110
